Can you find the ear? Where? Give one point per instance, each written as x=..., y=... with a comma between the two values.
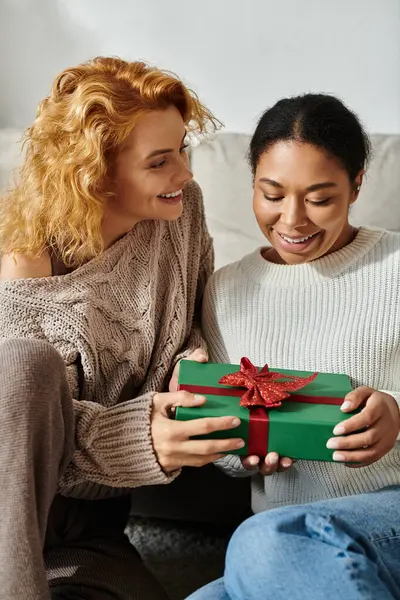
x=357, y=186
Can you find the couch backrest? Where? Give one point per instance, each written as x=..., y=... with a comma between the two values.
x=221, y=169
x=10, y=154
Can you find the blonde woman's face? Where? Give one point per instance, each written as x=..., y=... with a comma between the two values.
x=152, y=170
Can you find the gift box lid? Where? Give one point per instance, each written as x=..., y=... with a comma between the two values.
x=191, y=373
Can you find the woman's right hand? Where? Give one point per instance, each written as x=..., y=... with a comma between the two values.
x=269, y=465
x=171, y=439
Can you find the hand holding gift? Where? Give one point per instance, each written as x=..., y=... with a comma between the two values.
x=369, y=435
x=286, y=413
x=173, y=441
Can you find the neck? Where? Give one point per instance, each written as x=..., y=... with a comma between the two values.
x=114, y=227
x=346, y=237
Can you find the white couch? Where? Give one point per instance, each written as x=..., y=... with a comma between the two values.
x=221, y=169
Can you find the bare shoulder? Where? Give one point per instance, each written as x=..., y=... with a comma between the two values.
x=14, y=266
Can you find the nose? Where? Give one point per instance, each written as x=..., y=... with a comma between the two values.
x=294, y=212
x=183, y=174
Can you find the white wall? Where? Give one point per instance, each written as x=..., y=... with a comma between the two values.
x=239, y=55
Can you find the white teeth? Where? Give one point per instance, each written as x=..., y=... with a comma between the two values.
x=297, y=240
x=172, y=195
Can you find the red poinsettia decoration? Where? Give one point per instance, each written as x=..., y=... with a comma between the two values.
x=262, y=386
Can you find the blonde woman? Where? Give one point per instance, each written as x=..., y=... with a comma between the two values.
x=105, y=254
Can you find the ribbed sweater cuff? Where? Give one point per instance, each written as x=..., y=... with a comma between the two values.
x=114, y=446
x=232, y=466
x=396, y=396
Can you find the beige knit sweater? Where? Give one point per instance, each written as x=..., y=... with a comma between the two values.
x=120, y=322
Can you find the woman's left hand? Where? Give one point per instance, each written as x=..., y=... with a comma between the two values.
x=369, y=435
x=199, y=355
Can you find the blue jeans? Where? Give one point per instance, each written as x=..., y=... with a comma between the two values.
x=341, y=549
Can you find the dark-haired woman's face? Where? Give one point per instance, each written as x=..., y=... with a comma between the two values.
x=301, y=201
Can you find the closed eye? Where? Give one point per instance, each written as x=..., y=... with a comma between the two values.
x=273, y=198
x=162, y=162
x=315, y=202
x=158, y=165
x=319, y=202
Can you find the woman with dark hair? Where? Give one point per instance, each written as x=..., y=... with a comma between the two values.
x=322, y=296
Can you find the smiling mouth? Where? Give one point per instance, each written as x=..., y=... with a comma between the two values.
x=170, y=195
x=301, y=240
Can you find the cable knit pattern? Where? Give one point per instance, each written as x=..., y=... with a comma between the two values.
x=338, y=314
x=120, y=322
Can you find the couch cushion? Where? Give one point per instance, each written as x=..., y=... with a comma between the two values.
x=221, y=168
x=379, y=202
x=222, y=171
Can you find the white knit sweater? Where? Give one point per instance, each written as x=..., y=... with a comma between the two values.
x=338, y=314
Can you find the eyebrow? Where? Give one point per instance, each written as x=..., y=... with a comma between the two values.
x=310, y=188
x=163, y=150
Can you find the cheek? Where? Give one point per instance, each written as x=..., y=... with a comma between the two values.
x=331, y=218
x=265, y=212
x=133, y=185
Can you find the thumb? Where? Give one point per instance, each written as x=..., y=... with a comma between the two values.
x=199, y=355
x=356, y=398
x=166, y=402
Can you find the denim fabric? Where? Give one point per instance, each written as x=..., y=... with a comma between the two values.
x=341, y=549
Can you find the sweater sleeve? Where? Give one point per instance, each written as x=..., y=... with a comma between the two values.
x=113, y=446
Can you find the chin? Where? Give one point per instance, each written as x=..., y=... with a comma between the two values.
x=171, y=214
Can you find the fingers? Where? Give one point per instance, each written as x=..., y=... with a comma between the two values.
x=165, y=401
x=172, y=439
x=355, y=441
x=361, y=457
x=273, y=463
x=366, y=418
x=205, y=426
x=213, y=446
x=356, y=398
x=369, y=435
x=250, y=462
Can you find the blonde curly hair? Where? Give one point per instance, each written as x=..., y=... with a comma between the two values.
x=58, y=201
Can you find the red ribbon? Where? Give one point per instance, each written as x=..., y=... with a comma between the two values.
x=262, y=387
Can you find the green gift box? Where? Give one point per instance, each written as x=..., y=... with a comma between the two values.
x=299, y=427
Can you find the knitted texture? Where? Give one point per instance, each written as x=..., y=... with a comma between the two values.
x=120, y=322
x=337, y=314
